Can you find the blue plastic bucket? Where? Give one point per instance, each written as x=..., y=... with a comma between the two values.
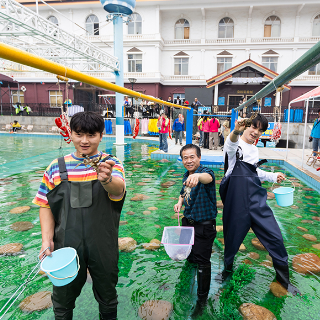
x=62, y=267
x=284, y=196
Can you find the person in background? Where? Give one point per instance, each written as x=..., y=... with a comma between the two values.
x=200, y=127
x=15, y=126
x=196, y=104
x=214, y=126
x=151, y=108
x=206, y=123
x=163, y=124
x=178, y=128
x=315, y=134
x=128, y=106
x=80, y=208
x=226, y=129
x=27, y=109
x=177, y=100
x=244, y=201
x=145, y=112
x=200, y=212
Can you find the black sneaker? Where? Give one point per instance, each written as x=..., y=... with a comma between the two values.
x=223, y=276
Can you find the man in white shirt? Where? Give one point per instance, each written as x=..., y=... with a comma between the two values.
x=244, y=200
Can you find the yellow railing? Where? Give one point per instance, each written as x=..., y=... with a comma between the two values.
x=13, y=54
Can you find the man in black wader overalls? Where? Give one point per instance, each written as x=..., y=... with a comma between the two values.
x=200, y=212
x=244, y=200
x=80, y=208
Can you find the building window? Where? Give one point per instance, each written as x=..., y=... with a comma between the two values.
x=315, y=70
x=182, y=29
x=181, y=66
x=270, y=63
x=54, y=20
x=92, y=25
x=17, y=96
x=316, y=26
x=134, y=62
x=226, y=26
x=135, y=25
x=272, y=27
x=55, y=98
x=223, y=64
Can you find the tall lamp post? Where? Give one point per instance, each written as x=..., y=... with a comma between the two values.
x=132, y=81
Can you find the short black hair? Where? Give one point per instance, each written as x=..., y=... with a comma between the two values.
x=261, y=122
x=191, y=146
x=87, y=122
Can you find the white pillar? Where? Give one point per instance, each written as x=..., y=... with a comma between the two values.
x=249, y=24
x=277, y=102
x=203, y=26
x=157, y=21
x=215, y=99
x=202, y=63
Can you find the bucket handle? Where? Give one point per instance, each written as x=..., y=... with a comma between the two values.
x=49, y=274
x=294, y=187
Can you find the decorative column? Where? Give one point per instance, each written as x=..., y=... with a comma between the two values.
x=215, y=98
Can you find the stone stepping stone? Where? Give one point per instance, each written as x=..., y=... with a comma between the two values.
x=127, y=244
x=307, y=221
x=270, y=195
x=312, y=204
x=251, y=311
x=130, y=188
x=268, y=258
x=294, y=207
x=247, y=261
x=310, y=237
x=36, y=302
x=297, y=215
x=167, y=184
x=11, y=248
x=267, y=264
x=242, y=247
x=20, y=199
x=157, y=226
x=152, y=208
x=155, y=310
x=219, y=204
x=146, y=179
x=307, y=189
x=218, y=181
x=219, y=228
x=152, y=245
x=316, y=246
x=306, y=263
x=171, y=170
x=299, y=201
x=163, y=160
x=133, y=162
x=297, y=184
x=313, y=211
x=140, y=197
x=254, y=255
x=21, y=226
x=130, y=213
x=177, y=175
x=137, y=165
x=22, y=209
x=141, y=184
x=257, y=244
x=302, y=229
x=175, y=216
x=309, y=197
x=278, y=290
x=122, y=223
x=221, y=240
x=6, y=179
x=316, y=218
x=250, y=230
x=9, y=203
x=40, y=172
x=147, y=212
x=151, y=170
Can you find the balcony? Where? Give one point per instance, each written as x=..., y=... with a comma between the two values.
x=309, y=39
x=181, y=77
x=225, y=40
x=272, y=39
x=129, y=37
x=308, y=78
x=183, y=41
x=139, y=74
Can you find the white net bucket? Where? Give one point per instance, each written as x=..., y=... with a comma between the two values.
x=178, y=242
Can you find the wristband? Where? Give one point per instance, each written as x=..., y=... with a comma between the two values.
x=104, y=183
x=236, y=132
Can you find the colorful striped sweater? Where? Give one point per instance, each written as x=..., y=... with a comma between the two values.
x=51, y=177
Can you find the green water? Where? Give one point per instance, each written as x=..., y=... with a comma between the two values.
x=148, y=275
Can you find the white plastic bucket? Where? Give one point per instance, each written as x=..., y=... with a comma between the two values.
x=62, y=266
x=178, y=242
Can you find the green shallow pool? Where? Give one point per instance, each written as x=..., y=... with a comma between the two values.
x=148, y=275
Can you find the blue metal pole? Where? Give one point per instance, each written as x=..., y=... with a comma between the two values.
x=234, y=117
x=118, y=52
x=189, y=127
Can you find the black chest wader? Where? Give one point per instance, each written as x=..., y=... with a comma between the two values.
x=88, y=221
x=244, y=206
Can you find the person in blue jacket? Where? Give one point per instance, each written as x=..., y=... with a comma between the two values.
x=315, y=135
x=178, y=128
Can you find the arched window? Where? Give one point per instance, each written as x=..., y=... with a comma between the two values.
x=182, y=29
x=54, y=20
x=92, y=25
x=226, y=26
x=272, y=27
x=316, y=26
x=135, y=25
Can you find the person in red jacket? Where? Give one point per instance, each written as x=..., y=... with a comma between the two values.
x=214, y=125
x=163, y=124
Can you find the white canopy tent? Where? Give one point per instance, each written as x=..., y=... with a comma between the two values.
x=313, y=95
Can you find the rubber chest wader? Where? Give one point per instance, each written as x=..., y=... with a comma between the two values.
x=245, y=206
x=88, y=221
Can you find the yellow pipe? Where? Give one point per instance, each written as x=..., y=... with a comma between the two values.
x=13, y=54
